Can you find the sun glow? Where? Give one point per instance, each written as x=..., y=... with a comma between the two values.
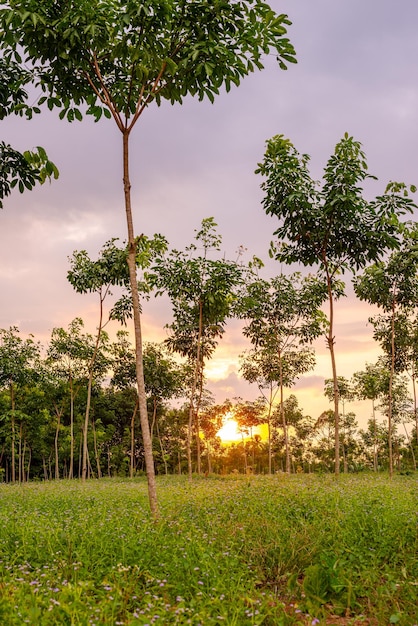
x=229, y=431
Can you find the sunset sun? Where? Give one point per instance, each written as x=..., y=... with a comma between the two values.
x=229, y=431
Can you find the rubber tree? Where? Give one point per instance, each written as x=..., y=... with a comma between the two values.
x=345, y=394
x=116, y=58
x=249, y=414
x=21, y=170
x=282, y=317
x=67, y=358
x=201, y=290
x=370, y=384
x=333, y=227
x=18, y=360
x=88, y=276
x=412, y=362
x=212, y=419
x=392, y=285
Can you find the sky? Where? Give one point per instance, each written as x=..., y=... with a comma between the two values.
x=357, y=72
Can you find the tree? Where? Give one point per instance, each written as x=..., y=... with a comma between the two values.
x=19, y=169
x=301, y=428
x=393, y=286
x=201, y=292
x=163, y=378
x=87, y=276
x=334, y=228
x=248, y=415
x=345, y=394
x=370, y=384
x=282, y=317
x=66, y=358
x=18, y=358
x=124, y=377
x=211, y=420
x=116, y=58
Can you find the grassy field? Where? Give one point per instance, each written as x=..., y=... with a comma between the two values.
x=228, y=550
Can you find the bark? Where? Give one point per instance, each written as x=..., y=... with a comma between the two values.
x=20, y=452
x=161, y=447
x=71, y=470
x=132, y=464
x=283, y=416
x=142, y=399
x=331, y=344
x=12, y=399
x=374, y=437
x=414, y=389
x=192, y=395
x=96, y=452
x=390, y=398
x=58, y=413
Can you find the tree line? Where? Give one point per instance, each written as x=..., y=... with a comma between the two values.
x=70, y=408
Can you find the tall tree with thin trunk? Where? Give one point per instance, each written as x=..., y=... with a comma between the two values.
x=201, y=290
x=66, y=360
x=117, y=58
x=334, y=228
x=18, y=358
x=370, y=384
x=88, y=276
x=282, y=317
x=392, y=285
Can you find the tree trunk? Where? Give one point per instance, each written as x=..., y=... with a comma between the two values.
x=390, y=398
x=44, y=467
x=89, y=388
x=19, y=460
x=331, y=343
x=143, y=413
x=57, y=471
x=71, y=470
x=285, y=433
x=375, y=464
x=414, y=388
x=197, y=409
x=161, y=447
x=13, y=443
x=192, y=395
x=132, y=464
x=96, y=452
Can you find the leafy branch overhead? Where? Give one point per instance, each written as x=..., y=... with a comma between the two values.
x=118, y=57
x=17, y=169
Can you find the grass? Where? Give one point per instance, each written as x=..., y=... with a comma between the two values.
x=228, y=550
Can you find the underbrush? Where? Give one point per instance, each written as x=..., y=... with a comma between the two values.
x=235, y=550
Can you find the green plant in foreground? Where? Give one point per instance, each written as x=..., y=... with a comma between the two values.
x=266, y=550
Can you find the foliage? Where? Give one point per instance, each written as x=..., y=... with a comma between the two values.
x=18, y=357
x=334, y=228
x=201, y=290
x=116, y=58
x=25, y=169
